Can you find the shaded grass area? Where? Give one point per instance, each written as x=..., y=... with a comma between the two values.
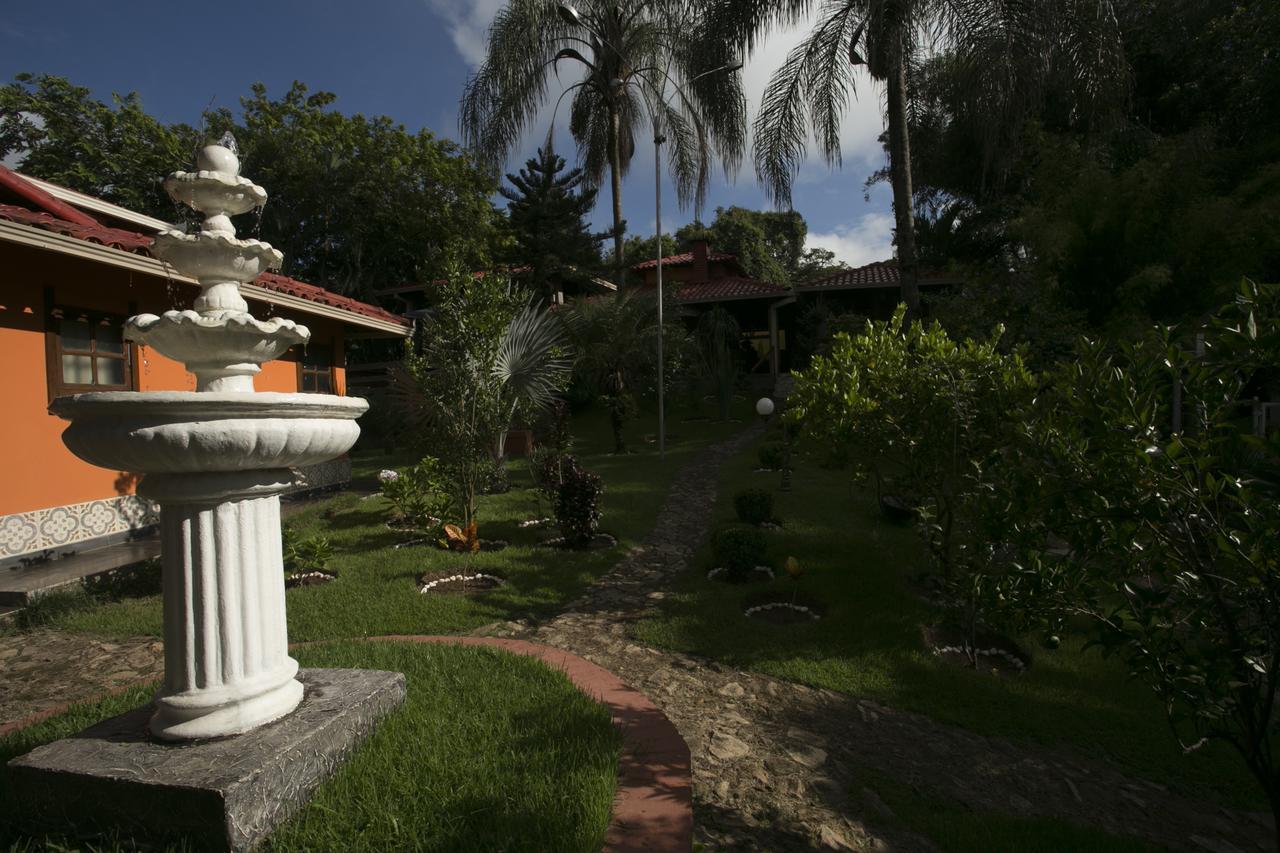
x=859, y=567
x=376, y=591
x=490, y=751
x=954, y=828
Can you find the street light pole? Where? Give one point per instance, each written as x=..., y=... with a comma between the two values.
x=658, y=139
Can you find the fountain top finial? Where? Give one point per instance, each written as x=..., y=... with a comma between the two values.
x=220, y=158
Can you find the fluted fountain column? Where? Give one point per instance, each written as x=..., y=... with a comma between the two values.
x=227, y=664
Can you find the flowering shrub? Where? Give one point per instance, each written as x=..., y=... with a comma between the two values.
x=577, y=503
x=417, y=495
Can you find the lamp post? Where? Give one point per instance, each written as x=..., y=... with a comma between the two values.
x=657, y=93
x=765, y=408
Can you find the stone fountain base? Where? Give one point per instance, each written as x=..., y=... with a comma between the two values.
x=221, y=794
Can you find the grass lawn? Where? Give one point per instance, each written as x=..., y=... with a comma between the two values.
x=955, y=828
x=870, y=644
x=490, y=751
x=376, y=591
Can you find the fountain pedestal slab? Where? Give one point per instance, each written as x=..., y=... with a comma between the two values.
x=225, y=794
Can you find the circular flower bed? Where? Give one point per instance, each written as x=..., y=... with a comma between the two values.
x=782, y=612
x=533, y=522
x=457, y=583
x=758, y=573
x=991, y=653
x=308, y=579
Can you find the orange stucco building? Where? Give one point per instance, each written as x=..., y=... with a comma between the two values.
x=69, y=276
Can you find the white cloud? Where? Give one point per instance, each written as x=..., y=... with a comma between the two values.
x=468, y=22
x=857, y=243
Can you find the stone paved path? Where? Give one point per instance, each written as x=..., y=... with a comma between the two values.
x=44, y=669
x=777, y=766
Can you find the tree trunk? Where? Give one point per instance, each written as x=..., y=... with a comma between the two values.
x=615, y=180
x=900, y=175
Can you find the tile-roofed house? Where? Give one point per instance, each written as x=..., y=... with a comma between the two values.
x=877, y=275
x=74, y=268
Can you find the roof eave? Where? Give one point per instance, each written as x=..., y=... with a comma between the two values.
x=27, y=235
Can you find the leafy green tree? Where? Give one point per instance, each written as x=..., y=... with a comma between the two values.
x=639, y=249
x=627, y=50
x=817, y=263
x=768, y=244
x=359, y=203
x=482, y=354
x=546, y=211
x=1168, y=516
x=117, y=152
x=906, y=402
x=1007, y=50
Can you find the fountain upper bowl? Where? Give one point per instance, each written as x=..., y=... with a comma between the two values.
x=172, y=432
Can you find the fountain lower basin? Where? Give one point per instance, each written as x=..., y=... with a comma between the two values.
x=172, y=432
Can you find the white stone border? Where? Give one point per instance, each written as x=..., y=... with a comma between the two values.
x=786, y=605
x=429, y=585
x=533, y=522
x=719, y=570
x=1017, y=662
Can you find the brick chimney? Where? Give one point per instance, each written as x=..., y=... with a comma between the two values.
x=700, y=251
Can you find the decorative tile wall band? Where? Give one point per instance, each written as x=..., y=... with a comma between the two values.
x=66, y=526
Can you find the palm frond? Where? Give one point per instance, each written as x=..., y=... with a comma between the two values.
x=532, y=362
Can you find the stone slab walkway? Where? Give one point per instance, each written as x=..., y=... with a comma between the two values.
x=45, y=669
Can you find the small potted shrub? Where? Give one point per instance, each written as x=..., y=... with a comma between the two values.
x=754, y=506
x=770, y=455
x=738, y=549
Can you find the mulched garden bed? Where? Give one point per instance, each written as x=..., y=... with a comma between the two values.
x=455, y=583
x=995, y=653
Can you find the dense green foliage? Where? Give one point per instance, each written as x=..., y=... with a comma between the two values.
x=933, y=418
x=356, y=203
x=1155, y=214
x=1169, y=516
x=546, y=211
x=769, y=245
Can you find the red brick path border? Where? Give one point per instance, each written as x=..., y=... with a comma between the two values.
x=653, y=809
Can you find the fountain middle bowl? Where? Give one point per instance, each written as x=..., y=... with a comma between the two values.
x=173, y=432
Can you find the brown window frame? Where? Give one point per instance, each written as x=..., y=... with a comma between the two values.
x=315, y=372
x=54, y=350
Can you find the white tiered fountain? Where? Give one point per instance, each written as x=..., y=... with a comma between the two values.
x=216, y=460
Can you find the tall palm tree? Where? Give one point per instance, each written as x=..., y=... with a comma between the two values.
x=1013, y=53
x=627, y=50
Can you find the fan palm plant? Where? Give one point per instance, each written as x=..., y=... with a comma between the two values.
x=1011, y=54
x=483, y=355
x=627, y=50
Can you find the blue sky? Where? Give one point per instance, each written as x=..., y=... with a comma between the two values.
x=407, y=59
